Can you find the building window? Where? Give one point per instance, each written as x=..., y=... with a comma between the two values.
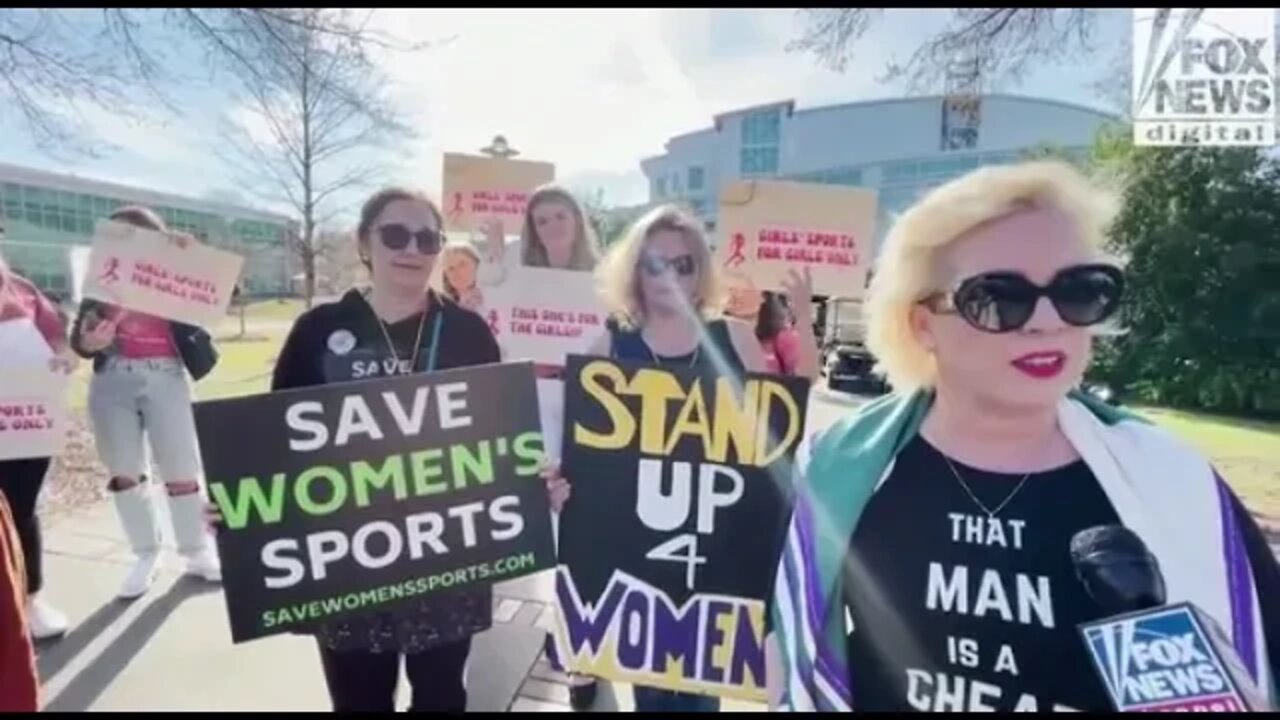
x=763, y=127
x=660, y=187
x=761, y=133
x=759, y=161
x=697, y=176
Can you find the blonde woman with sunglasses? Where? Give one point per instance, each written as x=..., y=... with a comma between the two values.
x=929, y=565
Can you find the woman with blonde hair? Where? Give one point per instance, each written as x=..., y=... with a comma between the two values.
x=458, y=278
x=929, y=563
x=664, y=294
x=557, y=235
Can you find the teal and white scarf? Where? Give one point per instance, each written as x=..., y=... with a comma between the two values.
x=1160, y=487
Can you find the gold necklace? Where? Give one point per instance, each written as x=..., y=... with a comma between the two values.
x=991, y=514
x=391, y=346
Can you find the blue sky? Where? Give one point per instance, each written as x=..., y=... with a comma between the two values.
x=592, y=90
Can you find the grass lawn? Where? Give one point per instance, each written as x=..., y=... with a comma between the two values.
x=1246, y=452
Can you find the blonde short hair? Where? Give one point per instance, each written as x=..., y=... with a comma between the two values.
x=619, y=272
x=906, y=271
x=446, y=254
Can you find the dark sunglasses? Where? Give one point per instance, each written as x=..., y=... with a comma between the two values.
x=999, y=302
x=655, y=266
x=397, y=237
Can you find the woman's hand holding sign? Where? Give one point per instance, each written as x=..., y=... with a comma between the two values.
x=557, y=485
x=99, y=335
x=798, y=288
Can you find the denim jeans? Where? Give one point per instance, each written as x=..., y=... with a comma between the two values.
x=651, y=699
x=138, y=403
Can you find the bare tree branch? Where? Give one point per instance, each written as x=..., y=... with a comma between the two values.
x=320, y=103
x=56, y=64
x=1004, y=43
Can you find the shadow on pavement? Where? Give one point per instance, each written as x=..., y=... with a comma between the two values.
x=85, y=688
x=53, y=655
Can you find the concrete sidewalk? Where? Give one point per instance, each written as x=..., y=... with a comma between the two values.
x=171, y=649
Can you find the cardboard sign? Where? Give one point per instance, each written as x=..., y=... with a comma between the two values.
x=146, y=271
x=33, y=412
x=478, y=187
x=669, y=545
x=544, y=315
x=352, y=498
x=529, y=321
x=770, y=227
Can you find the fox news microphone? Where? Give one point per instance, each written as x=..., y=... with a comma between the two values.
x=1154, y=657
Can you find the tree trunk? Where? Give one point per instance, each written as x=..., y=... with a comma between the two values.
x=242, y=329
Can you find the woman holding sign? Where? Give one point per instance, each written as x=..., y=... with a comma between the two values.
x=937, y=558
x=398, y=326
x=663, y=291
x=140, y=395
x=555, y=235
x=33, y=333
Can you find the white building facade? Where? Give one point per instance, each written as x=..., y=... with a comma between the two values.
x=44, y=214
x=900, y=148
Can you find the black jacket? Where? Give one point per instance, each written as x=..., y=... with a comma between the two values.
x=194, y=344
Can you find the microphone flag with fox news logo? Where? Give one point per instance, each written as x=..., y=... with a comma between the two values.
x=1172, y=658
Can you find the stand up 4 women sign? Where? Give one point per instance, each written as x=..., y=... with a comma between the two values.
x=350, y=498
x=669, y=546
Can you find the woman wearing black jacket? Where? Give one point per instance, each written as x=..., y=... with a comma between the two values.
x=140, y=388
x=396, y=323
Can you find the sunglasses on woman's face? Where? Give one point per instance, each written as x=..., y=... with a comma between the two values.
x=397, y=237
x=655, y=266
x=999, y=302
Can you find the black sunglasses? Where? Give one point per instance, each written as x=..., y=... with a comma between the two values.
x=999, y=302
x=397, y=237
x=683, y=265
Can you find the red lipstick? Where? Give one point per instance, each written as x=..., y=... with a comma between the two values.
x=1041, y=365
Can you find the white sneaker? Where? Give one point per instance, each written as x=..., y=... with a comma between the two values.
x=140, y=578
x=43, y=620
x=205, y=565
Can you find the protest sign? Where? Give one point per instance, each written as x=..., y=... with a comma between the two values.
x=146, y=271
x=33, y=413
x=352, y=498
x=476, y=188
x=770, y=227
x=669, y=545
x=544, y=315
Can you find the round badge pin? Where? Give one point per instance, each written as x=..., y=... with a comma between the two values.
x=342, y=342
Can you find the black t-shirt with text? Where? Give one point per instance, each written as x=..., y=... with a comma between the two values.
x=343, y=342
x=952, y=610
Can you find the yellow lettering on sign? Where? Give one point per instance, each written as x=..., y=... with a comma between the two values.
x=738, y=420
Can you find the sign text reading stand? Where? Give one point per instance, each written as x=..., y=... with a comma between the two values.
x=1204, y=76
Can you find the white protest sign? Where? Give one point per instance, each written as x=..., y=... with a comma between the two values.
x=146, y=271
x=543, y=315
x=33, y=414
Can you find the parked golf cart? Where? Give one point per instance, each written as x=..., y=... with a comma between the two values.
x=846, y=362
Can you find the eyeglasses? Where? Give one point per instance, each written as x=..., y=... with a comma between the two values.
x=397, y=237
x=999, y=302
x=655, y=266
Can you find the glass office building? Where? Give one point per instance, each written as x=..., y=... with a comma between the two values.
x=899, y=148
x=45, y=214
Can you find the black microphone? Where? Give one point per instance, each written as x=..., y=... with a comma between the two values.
x=1154, y=657
x=1117, y=570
